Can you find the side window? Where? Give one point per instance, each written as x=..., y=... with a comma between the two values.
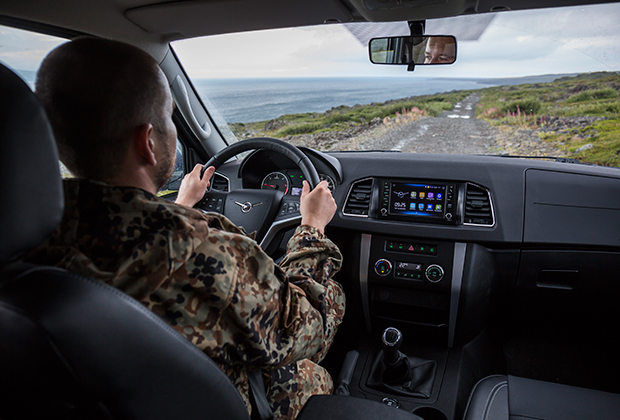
x=23, y=51
x=172, y=187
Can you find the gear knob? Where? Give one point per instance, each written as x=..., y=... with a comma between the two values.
x=391, y=339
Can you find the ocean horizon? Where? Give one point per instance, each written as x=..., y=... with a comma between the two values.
x=251, y=100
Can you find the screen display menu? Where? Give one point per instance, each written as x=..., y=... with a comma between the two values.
x=426, y=200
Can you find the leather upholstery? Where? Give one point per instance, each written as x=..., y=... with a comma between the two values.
x=70, y=346
x=31, y=185
x=75, y=347
x=501, y=397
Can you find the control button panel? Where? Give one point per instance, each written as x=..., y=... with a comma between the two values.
x=407, y=270
x=411, y=248
x=212, y=204
x=434, y=273
x=383, y=267
x=289, y=208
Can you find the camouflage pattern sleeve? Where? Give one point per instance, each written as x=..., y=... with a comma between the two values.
x=310, y=263
x=268, y=319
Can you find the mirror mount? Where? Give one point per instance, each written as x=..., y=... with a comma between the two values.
x=416, y=27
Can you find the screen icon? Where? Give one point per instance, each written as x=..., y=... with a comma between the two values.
x=411, y=206
x=421, y=206
x=422, y=194
x=438, y=207
x=431, y=195
x=439, y=196
x=429, y=207
x=414, y=194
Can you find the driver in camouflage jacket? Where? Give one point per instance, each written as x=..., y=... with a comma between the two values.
x=203, y=275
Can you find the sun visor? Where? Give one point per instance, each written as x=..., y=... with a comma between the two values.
x=483, y=6
x=187, y=19
x=464, y=28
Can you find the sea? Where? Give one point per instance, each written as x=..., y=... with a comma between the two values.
x=250, y=100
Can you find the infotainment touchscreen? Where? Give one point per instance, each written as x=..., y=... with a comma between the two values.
x=411, y=199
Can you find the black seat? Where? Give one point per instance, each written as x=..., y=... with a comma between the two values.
x=502, y=397
x=72, y=347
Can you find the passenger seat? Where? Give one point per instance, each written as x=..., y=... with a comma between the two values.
x=510, y=397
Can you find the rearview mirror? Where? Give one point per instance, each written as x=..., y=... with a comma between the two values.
x=419, y=50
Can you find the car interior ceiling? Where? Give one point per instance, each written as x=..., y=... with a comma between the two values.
x=516, y=302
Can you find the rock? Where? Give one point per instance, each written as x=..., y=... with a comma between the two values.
x=273, y=125
x=584, y=148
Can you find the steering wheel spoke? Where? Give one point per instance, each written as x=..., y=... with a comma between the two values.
x=289, y=208
x=213, y=200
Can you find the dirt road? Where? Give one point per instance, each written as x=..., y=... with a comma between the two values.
x=456, y=131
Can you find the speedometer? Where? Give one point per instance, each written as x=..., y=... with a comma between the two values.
x=276, y=181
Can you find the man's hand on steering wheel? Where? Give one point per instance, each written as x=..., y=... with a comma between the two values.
x=317, y=207
x=265, y=211
x=192, y=187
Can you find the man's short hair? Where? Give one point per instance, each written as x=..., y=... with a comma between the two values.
x=96, y=92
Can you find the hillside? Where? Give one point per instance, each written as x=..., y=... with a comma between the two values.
x=575, y=116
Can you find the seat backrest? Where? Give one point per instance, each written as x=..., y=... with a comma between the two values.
x=31, y=185
x=70, y=346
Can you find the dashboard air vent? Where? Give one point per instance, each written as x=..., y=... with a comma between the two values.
x=358, y=199
x=220, y=183
x=478, y=206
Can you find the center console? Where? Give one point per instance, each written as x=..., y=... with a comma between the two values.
x=410, y=283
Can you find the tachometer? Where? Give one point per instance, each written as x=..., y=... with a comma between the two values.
x=276, y=181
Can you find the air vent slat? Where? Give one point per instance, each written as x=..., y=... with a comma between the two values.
x=220, y=183
x=358, y=200
x=478, y=208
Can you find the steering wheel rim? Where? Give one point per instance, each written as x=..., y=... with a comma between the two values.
x=259, y=210
x=267, y=143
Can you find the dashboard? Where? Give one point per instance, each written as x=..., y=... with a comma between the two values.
x=427, y=237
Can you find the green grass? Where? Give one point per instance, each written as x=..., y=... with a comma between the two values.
x=593, y=94
x=343, y=117
x=605, y=139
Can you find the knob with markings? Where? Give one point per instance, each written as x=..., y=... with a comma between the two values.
x=383, y=267
x=434, y=273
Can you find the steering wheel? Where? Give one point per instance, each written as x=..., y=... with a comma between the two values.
x=257, y=210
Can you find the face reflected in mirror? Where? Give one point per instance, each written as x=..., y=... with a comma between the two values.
x=420, y=50
x=440, y=50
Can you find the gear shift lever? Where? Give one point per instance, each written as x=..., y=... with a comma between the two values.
x=394, y=372
x=391, y=339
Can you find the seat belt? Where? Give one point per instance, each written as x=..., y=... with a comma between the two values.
x=258, y=396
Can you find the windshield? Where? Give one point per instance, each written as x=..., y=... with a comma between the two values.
x=530, y=83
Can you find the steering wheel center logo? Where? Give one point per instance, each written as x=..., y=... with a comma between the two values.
x=247, y=206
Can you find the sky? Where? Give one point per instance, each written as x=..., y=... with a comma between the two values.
x=551, y=41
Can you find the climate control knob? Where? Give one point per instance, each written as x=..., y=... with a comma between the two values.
x=434, y=273
x=383, y=267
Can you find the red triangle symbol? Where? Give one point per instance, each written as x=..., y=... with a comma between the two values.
x=410, y=248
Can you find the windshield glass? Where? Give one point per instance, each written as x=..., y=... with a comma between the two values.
x=527, y=83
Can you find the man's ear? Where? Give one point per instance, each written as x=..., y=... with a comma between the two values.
x=144, y=144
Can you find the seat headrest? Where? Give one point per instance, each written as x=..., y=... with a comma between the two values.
x=31, y=185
